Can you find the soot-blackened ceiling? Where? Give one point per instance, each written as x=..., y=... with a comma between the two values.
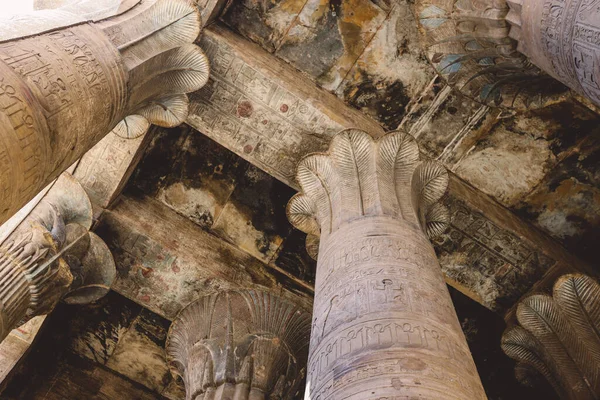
x=541, y=164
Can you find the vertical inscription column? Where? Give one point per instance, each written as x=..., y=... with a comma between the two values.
x=383, y=323
x=562, y=37
x=63, y=88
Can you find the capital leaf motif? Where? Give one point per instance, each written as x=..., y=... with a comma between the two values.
x=360, y=176
x=559, y=337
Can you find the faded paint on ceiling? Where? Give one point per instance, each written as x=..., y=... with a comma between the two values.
x=542, y=164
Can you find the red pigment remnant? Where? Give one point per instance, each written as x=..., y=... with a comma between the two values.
x=146, y=272
x=248, y=149
x=264, y=121
x=284, y=108
x=145, y=298
x=245, y=109
x=175, y=268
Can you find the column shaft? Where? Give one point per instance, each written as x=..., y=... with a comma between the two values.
x=383, y=322
x=64, y=87
x=562, y=38
x=60, y=93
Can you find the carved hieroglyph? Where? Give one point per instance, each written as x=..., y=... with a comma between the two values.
x=53, y=255
x=65, y=82
x=383, y=321
x=562, y=38
x=558, y=337
x=240, y=345
x=468, y=43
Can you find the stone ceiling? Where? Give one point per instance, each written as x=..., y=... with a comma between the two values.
x=205, y=205
x=543, y=164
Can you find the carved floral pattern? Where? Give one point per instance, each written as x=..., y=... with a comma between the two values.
x=558, y=337
x=246, y=344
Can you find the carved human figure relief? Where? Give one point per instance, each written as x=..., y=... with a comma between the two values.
x=241, y=345
x=66, y=80
x=558, y=337
x=52, y=255
x=383, y=322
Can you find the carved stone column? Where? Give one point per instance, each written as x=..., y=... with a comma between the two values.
x=562, y=38
x=558, y=337
x=66, y=81
x=52, y=255
x=383, y=321
x=468, y=43
x=502, y=52
x=240, y=345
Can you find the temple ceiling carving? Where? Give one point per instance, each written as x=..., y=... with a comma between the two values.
x=200, y=207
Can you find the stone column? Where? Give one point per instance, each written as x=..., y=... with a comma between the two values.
x=51, y=256
x=562, y=38
x=67, y=81
x=383, y=322
x=558, y=338
x=240, y=345
x=468, y=43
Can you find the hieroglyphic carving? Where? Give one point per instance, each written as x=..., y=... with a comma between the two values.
x=256, y=117
x=246, y=344
x=105, y=168
x=558, y=337
x=562, y=38
x=64, y=89
x=380, y=296
x=53, y=255
x=475, y=247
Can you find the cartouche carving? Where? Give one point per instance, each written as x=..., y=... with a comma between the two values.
x=559, y=337
x=65, y=82
x=383, y=322
x=52, y=255
x=246, y=344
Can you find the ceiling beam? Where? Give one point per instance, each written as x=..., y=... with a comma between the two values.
x=272, y=115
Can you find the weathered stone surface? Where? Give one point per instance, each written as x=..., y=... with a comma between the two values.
x=327, y=38
x=224, y=195
x=263, y=22
x=245, y=344
x=560, y=38
x=468, y=43
x=96, y=333
x=391, y=72
x=66, y=88
x=380, y=297
x=105, y=168
x=432, y=119
x=262, y=109
x=16, y=346
x=254, y=217
x=566, y=203
x=367, y=52
x=139, y=354
x=507, y=164
x=52, y=255
x=58, y=373
x=164, y=261
x=446, y=124
x=486, y=262
x=557, y=337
